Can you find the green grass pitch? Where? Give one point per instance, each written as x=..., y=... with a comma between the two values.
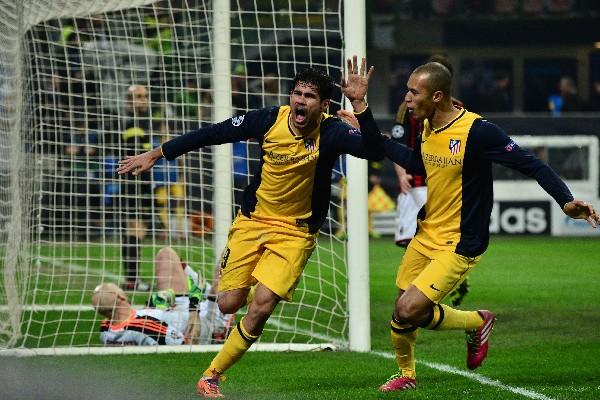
x=546, y=344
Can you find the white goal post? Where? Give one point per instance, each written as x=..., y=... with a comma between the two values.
x=68, y=73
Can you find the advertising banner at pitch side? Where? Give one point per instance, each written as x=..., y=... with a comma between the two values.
x=537, y=217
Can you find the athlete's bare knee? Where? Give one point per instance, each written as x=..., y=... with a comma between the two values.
x=231, y=302
x=407, y=313
x=227, y=306
x=412, y=306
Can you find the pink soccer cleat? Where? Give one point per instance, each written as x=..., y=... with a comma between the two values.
x=398, y=382
x=477, y=340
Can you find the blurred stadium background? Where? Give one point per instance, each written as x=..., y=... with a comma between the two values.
x=509, y=59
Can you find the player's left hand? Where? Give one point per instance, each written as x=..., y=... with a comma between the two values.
x=349, y=118
x=579, y=209
x=356, y=84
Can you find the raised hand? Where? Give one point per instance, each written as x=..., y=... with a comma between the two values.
x=579, y=209
x=140, y=163
x=356, y=84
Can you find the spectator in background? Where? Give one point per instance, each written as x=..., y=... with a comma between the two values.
x=169, y=189
x=570, y=99
x=377, y=200
x=81, y=188
x=499, y=98
x=186, y=100
x=339, y=186
x=77, y=87
x=242, y=99
x=595, y=96
x=567, y=99
x=159, y=37
x=205, y=106
x=268, y=90
x=245, y=155
x=159, y=34
x=136, y=192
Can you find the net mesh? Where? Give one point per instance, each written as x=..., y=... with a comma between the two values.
x=84, y=83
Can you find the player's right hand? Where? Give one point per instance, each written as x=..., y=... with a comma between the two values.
x=140, y=163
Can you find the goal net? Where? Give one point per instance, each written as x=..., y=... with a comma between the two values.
x=80, y=81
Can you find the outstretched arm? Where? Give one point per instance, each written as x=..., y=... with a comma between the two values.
x=493, y=144
x=254, y=124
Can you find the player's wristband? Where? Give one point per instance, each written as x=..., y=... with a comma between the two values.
x=365, y=109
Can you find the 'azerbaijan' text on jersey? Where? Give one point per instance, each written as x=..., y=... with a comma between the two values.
x=457, y=162
x=293, y=183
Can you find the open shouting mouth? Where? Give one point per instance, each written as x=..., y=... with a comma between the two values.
x=300, y=115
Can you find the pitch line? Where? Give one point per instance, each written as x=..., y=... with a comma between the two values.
x=530, y=394
x=78, y=268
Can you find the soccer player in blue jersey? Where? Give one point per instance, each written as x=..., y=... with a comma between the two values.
x=283, y=208
x=455, y=153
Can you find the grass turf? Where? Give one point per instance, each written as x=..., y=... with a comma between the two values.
x=544, y=291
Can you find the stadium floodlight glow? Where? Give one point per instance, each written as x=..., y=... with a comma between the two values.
x=65, y=70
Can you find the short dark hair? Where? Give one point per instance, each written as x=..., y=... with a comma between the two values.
x=439, y=77
x=319, y=79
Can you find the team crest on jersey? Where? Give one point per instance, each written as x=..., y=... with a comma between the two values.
x=454, y=146
x=310, y=144
x=510, y=146
x=237, y=121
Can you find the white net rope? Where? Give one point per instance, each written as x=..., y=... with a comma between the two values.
x=80, y=82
